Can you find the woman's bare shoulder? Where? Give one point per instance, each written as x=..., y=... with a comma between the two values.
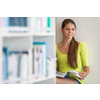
x=59, y=44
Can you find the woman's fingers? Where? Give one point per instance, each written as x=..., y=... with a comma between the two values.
x=81, y=78
x=81, y=73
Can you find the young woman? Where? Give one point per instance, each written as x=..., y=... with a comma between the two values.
x=71, y=55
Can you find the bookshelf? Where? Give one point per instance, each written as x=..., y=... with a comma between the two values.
x=23, y=42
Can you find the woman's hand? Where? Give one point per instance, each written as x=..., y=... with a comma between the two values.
x=83, y=75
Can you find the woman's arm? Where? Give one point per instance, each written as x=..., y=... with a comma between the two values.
x=86, y=69
x=84, y=73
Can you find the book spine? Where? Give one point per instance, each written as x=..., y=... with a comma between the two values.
x=48, y=24
x=13, y=67
x=0, y=25
x=43, y=47
x=10, y=68
x=34, y=62
x=23, y=24
x=44, y=24
x=30, y=64
x=8, y=24
x=17, y=58
x=5, y=50
x=39, y=24
x=41, y=61
x=32, y=25
x=4, y=67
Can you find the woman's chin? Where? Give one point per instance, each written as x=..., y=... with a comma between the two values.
x=69, y=37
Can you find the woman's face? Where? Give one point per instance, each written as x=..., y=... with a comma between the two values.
x=68, y=31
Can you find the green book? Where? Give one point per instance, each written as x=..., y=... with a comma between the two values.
x=48, y=24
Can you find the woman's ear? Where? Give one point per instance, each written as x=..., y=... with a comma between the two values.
x=61, y=30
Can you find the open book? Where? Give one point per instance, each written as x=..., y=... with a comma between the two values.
x=59, y=74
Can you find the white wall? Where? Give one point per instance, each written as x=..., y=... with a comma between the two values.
x=88, y=31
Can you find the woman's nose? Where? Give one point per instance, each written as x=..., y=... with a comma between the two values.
x=70, y=30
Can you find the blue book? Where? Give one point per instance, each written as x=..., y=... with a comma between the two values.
x=5, y=50
x=23, y=23
x=48, y=24
x=16, y=21
x=13, y=21
x=8, y=22
x=42, y=46
x=14, y=24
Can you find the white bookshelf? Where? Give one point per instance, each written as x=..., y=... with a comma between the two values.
x=25, y=34
x=24, y=42
x=37, y=80
x=16, y=35
x=44, y=34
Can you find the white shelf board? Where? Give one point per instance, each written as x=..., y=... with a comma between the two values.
x=11, y=35
x=36, y=80
x=15, y=35
x=44, y=34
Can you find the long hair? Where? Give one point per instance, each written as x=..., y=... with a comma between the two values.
x=73, y=47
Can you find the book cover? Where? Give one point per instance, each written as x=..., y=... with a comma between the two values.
x=66, y=75
x=48, y=24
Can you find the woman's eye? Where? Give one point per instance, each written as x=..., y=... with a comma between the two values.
x=67, y=29
x=73, y=29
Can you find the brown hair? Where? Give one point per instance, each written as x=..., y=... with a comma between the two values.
x=73, y=47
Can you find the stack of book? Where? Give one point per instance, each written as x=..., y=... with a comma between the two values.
x=14, y=66
x=13, y=24
x=25, y=24
x=51, y=63
x=39, y=59
x=18, y=24
x=40, y=24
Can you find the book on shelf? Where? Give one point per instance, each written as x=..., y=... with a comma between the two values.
x=15, y=66
x=13, y=24
x=48, y=24
x=51, y=62
x=18, y=24
x=66, y=75
x=4, y=23
x=39, y=59
x=5, y=63
x=19, y=66
x=25, y=24
x=40, y=24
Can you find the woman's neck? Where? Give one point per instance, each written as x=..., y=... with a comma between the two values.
x=66, y=42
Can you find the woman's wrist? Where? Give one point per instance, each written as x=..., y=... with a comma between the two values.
x=86, y=70
x=86, y=73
